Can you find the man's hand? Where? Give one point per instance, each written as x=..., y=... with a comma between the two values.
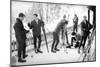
x=29, y=25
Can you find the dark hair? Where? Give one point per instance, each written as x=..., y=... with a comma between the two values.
x=84, y=16
x=75, y=14
x=21, y=15
x=36, y=15
x=64, y=16
x=73, y=33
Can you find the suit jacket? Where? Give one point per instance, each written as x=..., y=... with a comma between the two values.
x=86, y=27
x=20, y=32
x=36, y=27
x=60, y=26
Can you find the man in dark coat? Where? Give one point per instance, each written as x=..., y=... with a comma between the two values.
x=85, y=27
x=20, y=34
x=36, y=26
x=59, y=28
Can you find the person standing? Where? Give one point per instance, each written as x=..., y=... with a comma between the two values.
x=75, y=21
x=20, y=34
x=36, y=26
x=59, y=28
x=85, y=27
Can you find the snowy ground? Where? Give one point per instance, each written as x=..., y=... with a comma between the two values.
x=68, y=55
x=64, y=55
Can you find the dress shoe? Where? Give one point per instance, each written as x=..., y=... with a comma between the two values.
x=53, y=51
x=36, y=51
x=68, y=46
x=39, y=51
x=25, y=56
x=56, y=49
x=22, y=61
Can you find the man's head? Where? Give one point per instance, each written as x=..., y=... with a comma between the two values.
x=21, y=16
x=84, y=18
x=35, y=16
x=75, y=15
x=73, y=33
x=64, y=17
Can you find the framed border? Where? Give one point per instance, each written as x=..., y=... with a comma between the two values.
x=46, y=63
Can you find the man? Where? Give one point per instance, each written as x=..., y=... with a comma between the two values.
x=36, y=26
x=76, y=37
x=75, y=21
x=85, y=27
x=56, y=33
x=20, y=34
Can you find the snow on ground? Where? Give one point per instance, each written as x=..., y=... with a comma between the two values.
x=64, y=55
x=70, y=55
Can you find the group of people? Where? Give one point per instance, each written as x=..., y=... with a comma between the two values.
x=37, y=24
x=80, y=39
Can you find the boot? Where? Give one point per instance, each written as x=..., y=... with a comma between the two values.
x=56, y=49
x=22, y=61
x=24, y=56
x=40, y=51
